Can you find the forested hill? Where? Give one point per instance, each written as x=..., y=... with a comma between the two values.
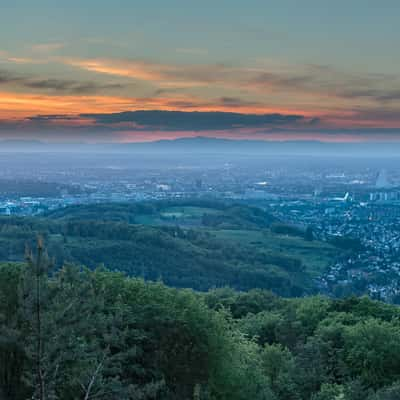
x=81, y=334
x=197, y=245
x=178, y=212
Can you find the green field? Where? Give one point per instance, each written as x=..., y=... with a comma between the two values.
x=315, y=255
x=190, y=212
x=178, y=215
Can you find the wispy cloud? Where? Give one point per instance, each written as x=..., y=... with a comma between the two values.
x=327, y=95
x=69, y=86
x=163, y=75
x=47, y=47
x=192, y=51
x=56, y=85
x=15, y=59
x=8, y=77
x=306, y=82
x=312, y=80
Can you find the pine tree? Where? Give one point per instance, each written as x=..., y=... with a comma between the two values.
x=65, y=324
x=35, y=293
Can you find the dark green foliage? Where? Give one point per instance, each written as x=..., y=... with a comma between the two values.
x=104, y=336
x=180, y=256
x=309, y=234
x=238, y=217
x=388, y=393
x=347, y=243
x=285, y=229
x=317, y=348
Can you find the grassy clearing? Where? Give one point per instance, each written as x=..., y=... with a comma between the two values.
x=179, y=215
x=315, y=255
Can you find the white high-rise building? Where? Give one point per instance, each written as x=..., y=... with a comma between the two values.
x=382, y=180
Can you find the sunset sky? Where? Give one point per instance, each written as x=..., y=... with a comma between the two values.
x=275, y=70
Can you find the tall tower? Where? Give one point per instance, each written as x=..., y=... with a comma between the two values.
x=382, y=180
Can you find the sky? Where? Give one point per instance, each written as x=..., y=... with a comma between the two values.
x=128, y=70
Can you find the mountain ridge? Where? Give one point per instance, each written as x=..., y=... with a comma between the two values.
x=211, y=145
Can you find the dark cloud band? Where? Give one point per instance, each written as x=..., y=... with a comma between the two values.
x=195, y=121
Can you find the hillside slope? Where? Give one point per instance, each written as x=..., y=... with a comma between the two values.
x=199, y=246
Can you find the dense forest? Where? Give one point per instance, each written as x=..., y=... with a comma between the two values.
x=180, y=301
x=73, y=333
x=199, y=245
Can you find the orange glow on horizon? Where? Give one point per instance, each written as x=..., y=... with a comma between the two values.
x=15, y=106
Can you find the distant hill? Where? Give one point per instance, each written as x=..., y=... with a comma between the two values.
x=210, y=145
